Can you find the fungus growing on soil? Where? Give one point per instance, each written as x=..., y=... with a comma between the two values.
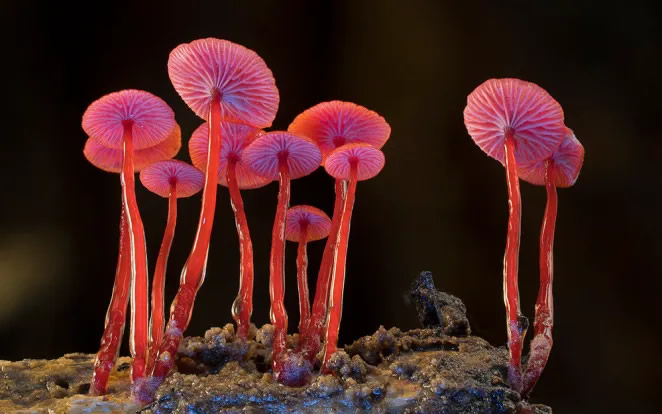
x=305, y=224
x=233, y=173
x=132, y=120
x=219, y=80
x=331, y=125
x=353, y=163
x=283, y=156
x=515, y=122
x=171, y=179
x=560, y=170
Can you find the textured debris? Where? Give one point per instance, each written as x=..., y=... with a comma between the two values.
x=436, y=308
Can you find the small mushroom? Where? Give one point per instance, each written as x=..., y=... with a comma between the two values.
x=234, y=174
x=559, y=170
x=283, y=156
x=132, y=120
x=515, y=122
x=171, y=179
x=351, y=162
x=305, y=224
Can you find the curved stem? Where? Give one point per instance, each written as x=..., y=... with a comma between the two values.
x=338, y=280
x=278, y=314
x=516, y=322
x=541, y=345
x=242, y=308
x=158, y=281
x=116, y=315
x=302, y=278
x=139, y=283
x=310, y=342
x=193, y=273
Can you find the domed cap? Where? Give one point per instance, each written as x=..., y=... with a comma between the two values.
x=158, y=177
x=567, y=162
x=500, y=105
x=235, y=138
x=336, y=123
x=245, y=83
x=318, y=223
x=369, y=161
x=302, y=155
x=152, y=119
x=110, y=159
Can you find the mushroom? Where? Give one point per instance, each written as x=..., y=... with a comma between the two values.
x=233, y=174
x=560, y=170
x=331, y=125
x=171, y=179
x=351, y=162
x=515, y=122
x=305, y=224
x=284, y=156
x=132, y=120
x=218, y=80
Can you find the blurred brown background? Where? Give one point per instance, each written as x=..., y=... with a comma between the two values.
x=439, y=205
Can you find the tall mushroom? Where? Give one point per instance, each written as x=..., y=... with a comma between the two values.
x=331, y=125
x=233, y=174
x=305, y=224
x=171, y=179
x=351, y=162
x=515, y=122
x=560, y=170
x=283, y=156
x=132, y=120
x=218, y=80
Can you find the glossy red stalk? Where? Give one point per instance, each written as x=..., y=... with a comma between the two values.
x=302, y=278
x=542, y=342
x=158, y=281
x=338, y=279
x=242, y=308
x=116, y=315
x=516, y=322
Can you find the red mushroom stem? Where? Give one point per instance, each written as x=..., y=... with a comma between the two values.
x=544, y=314
x=242, y=308
x=313, y=332
x=302, y=277
x=338, y=280
x=193, y=273
x=139, y=284
x=158, y=281
x=116, y=315
x=516, y=322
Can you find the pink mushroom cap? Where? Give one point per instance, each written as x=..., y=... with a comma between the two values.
x=336, y=123
x=262, y=156
x=567, y=162
x=110, y=159
x=369, y=159
x=243, y=80
x=158, y=177
x=318, y=223
x=236, y=137
x=501, y=105
x=152, y=119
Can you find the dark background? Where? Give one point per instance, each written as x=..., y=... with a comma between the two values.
x=439, y=205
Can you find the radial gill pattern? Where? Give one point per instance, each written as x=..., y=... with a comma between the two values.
x=236, y=137
x=152, y=119
x=110, y=159
x=246, y=85
x=533, y=116
x=302, y=155
x=316, y=221
x=158, y=177
x=335, y=123
x=567, y=162
x=369, y=161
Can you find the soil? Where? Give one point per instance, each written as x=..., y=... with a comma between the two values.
x=440, y=368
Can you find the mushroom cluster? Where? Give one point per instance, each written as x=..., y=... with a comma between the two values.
x=231, y=88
